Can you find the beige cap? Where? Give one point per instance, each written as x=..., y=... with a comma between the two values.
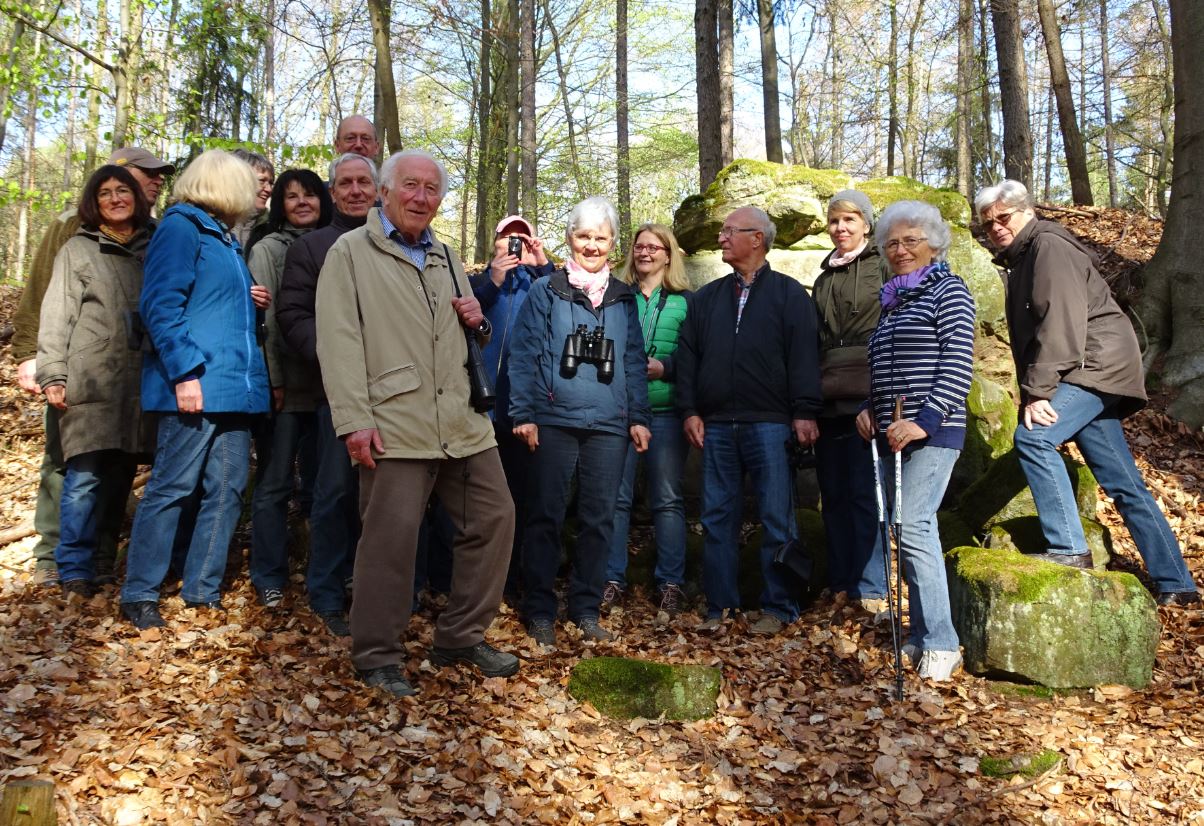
x=139, y=157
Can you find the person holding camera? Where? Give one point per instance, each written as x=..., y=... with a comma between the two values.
x=518, y=260
x=396, y=322
x=89, y=362
x=578, y=393
x=747, y=381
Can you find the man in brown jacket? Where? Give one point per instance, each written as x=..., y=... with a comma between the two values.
x=149, y=172
x=392, y=306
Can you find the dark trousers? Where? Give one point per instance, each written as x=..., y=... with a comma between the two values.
x=393, y=499
x=516, y=461
x=845, y=469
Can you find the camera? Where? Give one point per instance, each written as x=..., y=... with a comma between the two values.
x=515, y=246
x=592, y=348
x=799, y=457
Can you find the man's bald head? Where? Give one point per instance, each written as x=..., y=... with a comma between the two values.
x=356, y=134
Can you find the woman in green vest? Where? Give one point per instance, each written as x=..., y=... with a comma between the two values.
x=655, y=271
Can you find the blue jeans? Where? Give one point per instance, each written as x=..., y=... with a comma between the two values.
x=599, y=459
x=95, y=482
x=334, y=518
x=201, y=454
x=926, y=475
x=277, y=445
x=730, y=450
x=1088, y=418
x=845, y=470
x=665, y=461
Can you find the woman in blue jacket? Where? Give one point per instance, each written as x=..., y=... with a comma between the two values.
x=578, y=392
x=206, y=378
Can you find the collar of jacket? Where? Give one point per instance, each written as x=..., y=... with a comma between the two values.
x=386, y=244
x=1010, y=257
x=761, y=272
x=203, y=220
x=940, y=271
x=344, y=221
x=616, y=290
x=135, y=247
x=870, y=251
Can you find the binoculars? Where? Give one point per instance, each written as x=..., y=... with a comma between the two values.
x=592, y=348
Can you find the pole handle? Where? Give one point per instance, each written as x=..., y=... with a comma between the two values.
x=898, y=414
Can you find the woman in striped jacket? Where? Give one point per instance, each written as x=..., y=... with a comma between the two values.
x=921, y=352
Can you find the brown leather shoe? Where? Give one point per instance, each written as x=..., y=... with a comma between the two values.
x=1081, y=561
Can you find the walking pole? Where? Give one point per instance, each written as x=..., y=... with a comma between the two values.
x=898, y=617
x=890, y=606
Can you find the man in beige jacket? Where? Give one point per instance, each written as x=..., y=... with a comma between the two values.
x=391, y=344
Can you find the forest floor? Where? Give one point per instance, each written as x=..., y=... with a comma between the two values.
x=255, y=716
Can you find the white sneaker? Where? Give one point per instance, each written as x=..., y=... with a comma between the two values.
x=938, y=666
x=912, y=652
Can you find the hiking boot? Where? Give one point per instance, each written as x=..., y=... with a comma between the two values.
x=143, y=615
x=46, y=573
x=271, y=597
x=1174, y=598
x=592, y=631
x=490, y=661
x=337, y=625
x=671, y=599
x=80, y=587
x=612, y=596
x=388, y=678
x=712, y=624
x=543, y=632
x=938, y=666
x=767, y=626
x=1081, y=561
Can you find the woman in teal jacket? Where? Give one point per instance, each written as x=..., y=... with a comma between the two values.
x=655, y=271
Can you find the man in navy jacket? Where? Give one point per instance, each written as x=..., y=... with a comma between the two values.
x=747, y=381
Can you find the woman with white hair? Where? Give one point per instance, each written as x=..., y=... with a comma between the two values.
x=921, y=356
x=578, y=393
x=207, y=381
x=1079, y=368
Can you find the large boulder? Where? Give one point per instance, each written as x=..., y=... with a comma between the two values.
x=990, y=423
x=625, y=688
x=1002, y=493
x=1039, y=622
x=802, y=265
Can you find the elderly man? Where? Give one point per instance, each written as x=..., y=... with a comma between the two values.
x=356, y=134
x=747, y=382
x=392, y=309
x=149, y=172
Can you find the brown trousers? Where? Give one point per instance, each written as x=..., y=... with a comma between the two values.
x=393, y=499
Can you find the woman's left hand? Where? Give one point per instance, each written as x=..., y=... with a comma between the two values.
x=261, y=296
x=655, y=368
x=56, y=396
x=640, y=437
x=902, y=433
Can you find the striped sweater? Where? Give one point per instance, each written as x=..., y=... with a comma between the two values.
x=923, y=350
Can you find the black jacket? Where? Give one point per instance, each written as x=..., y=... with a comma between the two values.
x=768, y=371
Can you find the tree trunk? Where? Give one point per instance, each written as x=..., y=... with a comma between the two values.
x=1047, y=161
x=6, y=83
x=512, y=105
x=1172, y=303
x=569, y=123
x=965, y=68
x=727, y=79
x=990, y=158
x=769, y=82
x=527, y=115
x=269, y=76
x=908, y=132
x=484, y=66
x=1106, y=78
x=1072, y=139
x=892, y=90
x=621, y=125
x=385, y=116
x=1165, y=113
x=1013, y=91
x=27, y=157
x=92, y=125
x=706, y=73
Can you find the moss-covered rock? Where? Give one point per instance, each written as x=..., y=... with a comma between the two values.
x=1002, y=493
x=990, y=423
x=626, y=688
x=1024, y=534
x=953, y=530
x=969, y=260
x=1028, y=764
x=884, y=191
x=1050, y=624
x=820, y=241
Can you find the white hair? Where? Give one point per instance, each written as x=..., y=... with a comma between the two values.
x=1011, y=194
x=346, y=157
x=920, y=215
x=769, y=230
x=388, y=170
x=592, y=212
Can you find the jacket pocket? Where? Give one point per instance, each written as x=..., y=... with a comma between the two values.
x=393, y=383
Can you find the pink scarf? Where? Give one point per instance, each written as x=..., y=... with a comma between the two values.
x=841, y=260
x=593, y=284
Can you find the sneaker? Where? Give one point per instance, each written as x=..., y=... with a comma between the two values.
x=1178, y=598
x=46, y=574
x=767, y=626
x=489, y=660
x=388, y=678
x=671, y=598
x=712, y=624
x=592, y=631
x=336, y=624
x=911, y=652
x=271, y=597
x=612, y=596
x=142, y=614
x=80, y=587
x=938, y=666
x=543, y=632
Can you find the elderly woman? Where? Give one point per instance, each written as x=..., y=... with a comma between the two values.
x=254, y=226
x=654, y=269
x=1079, y=369
x=921, y=353
x=300, y=202
x=206, y=379
x=88, y=364
x=578, y=392
x=846, y=297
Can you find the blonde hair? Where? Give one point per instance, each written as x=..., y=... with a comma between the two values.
x=675, y=276
x=219, y=183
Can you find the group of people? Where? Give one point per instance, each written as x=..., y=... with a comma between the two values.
x=325, y=323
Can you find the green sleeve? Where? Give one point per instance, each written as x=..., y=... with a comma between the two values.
x=29, y=310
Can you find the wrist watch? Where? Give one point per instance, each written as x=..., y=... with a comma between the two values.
x=485, y=327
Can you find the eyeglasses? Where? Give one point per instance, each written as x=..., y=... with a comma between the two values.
x=908, y=244
x=649, y=249
x=1000, y=220
x=728, y=232
x=115, y=194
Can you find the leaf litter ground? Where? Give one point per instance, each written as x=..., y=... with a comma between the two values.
x=255, y=716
